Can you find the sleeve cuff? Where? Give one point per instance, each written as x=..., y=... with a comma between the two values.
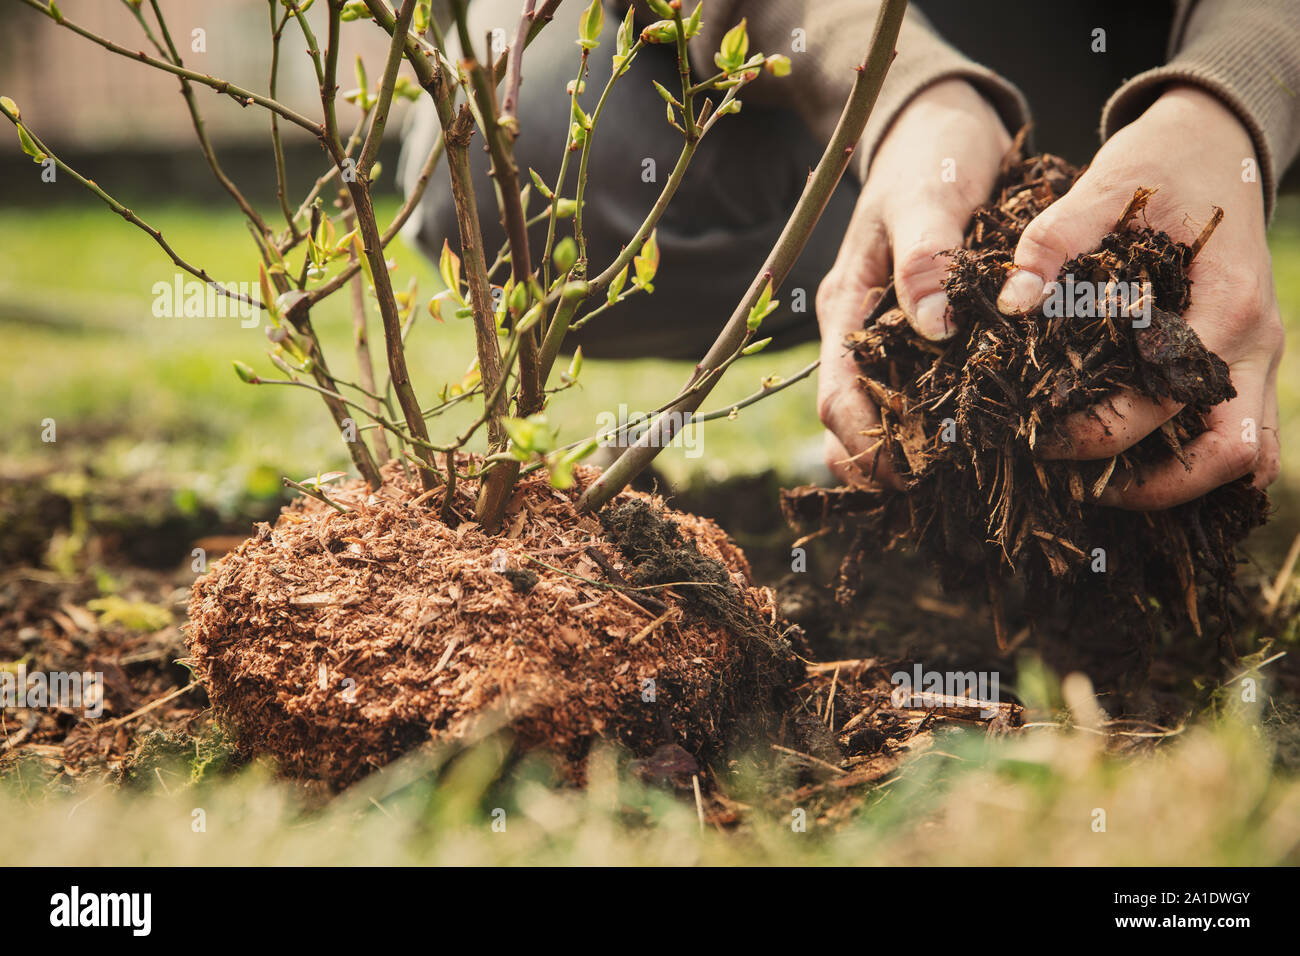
x=1248, y=56
x=900, y=88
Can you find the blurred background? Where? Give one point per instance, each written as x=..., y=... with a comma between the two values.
x=142, y=399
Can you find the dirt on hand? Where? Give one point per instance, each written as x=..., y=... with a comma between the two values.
x=962, y=420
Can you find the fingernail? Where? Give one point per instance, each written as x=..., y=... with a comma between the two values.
x=1021, y=293
x=932, y=318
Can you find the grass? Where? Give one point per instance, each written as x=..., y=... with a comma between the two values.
x=84, y=349
x=139, y=395
x=1049, y=796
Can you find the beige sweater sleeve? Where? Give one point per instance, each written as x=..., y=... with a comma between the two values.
x=1247, y=53
x=826, y=40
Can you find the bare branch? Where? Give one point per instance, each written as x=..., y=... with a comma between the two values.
x=816, y=193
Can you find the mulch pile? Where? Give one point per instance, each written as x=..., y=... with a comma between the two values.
x=961, y=420
x=335, y=642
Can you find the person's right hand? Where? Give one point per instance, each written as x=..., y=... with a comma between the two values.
x=937, y=162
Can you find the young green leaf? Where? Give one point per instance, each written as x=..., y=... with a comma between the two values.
x=589, y=27
x=565, y=254
x=29, y=145
x=575, y=366
x=435, y=306
x=246, y=373
x=646, y=264
x=756, y=347
x=693, y=24
x=583, y=450
x=735, y=44
x=360, y=70
x=406, y=88
x=626, y=36
x=268, y=295
x=579, y=117
x=664, y=94
x=521, y=437
x=517, y=296
x=777, y=64
x=672, y=117
x=449, y=269
x=561, y=472
x=344, y=244
x=318, y=480
x=542, y=188
x=661, y=31
x=287, y=301
x=528, y=435
x=354, y=10
x=325, y=233
x=616, y=286
x=360, y=250
x=763, y=307
x=531, y=318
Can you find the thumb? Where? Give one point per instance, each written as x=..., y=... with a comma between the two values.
x=919, y=237
x=1072, y=225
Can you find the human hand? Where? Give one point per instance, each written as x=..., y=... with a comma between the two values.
x=1194, y=149
x=937, y=163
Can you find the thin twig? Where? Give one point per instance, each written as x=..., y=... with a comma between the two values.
x=317, y=494
x=152, y=705
x=794, y=237
x=810, y=759
x=239, y=94
x=132, y=218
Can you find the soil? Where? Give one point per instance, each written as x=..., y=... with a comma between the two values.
x=335, y=642
x=961, y=421
x=840, y=735
x=49, y=623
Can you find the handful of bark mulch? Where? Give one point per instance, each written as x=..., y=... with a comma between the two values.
x=961, y=419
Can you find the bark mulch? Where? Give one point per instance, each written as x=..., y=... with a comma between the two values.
x=335, y=642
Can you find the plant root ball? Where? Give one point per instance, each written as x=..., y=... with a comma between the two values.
x=336, y=642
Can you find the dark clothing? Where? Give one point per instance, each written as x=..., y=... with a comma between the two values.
x=1046, y=51
x=742, y=183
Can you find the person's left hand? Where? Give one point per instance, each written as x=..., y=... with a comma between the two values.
x=1194, y=149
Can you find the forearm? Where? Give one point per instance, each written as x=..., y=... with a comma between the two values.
x=823, y=40
x=1247, y=54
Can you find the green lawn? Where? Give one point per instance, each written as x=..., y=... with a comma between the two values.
x=83, y=348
